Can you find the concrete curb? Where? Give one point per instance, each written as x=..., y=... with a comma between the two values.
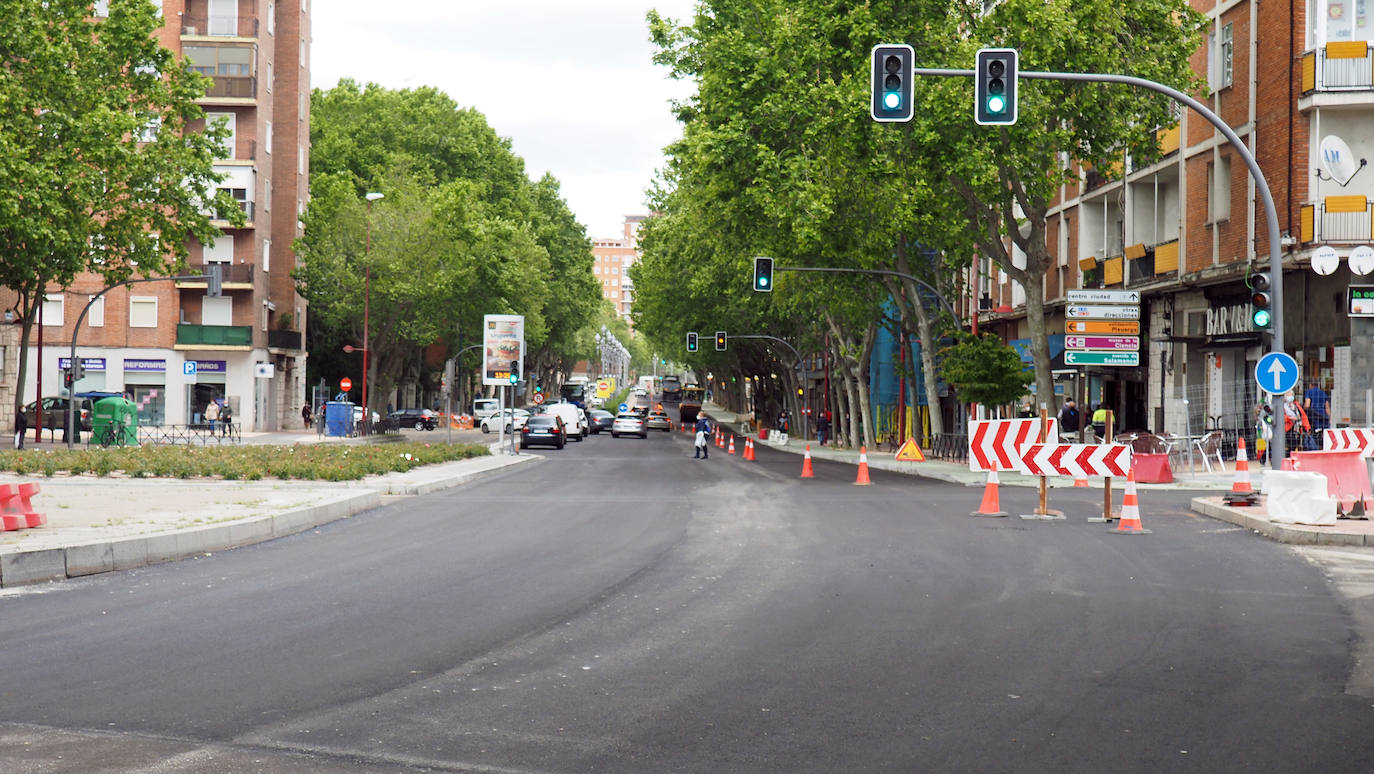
x=1296, y=534
x=100, y=556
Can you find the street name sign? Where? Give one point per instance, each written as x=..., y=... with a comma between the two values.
x=1103, y=297
x=1077, y=460
x=1072, y=357
x=1276, y=372
x=998, y=444
x=1102, y=342
x=1111, y=327
x=1103, y=311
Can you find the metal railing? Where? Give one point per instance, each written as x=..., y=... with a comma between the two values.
x=201, y=434
x=1327, y=73
x=220, y=25
x=1344, y=226
x=949, y=447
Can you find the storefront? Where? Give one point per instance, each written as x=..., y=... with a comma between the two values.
x=145, y=382
x=210, y=379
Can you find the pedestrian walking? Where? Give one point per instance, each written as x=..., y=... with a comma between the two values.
x=1100, y=422
x=21, y=425
x=226, y=418
x=1068, y=419
x=1318, y=406
x=305, y=415
x=212, y=414
x=823, y=427
x=703, y=445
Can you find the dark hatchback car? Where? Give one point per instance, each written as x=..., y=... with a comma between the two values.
x=601, y=420
x=422, y=419
x=543, y=429
x=55, y=413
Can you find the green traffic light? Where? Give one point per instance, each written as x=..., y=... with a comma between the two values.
x=1261, y=318
x=997, y=104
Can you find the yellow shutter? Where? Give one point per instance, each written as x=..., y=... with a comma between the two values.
x=1135, y=251
x=1347, y=49
x=1309, y=226
x=1168, y=140
x=1309, y=71
x=1111, y=271
x=1087, y=264
x=1346, y=203
x=1166, y=258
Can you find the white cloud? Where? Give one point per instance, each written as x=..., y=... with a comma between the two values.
x=572, y=84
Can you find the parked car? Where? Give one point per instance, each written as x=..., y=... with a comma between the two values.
x=415, y=418
x=601, y=420
x=484, y=407
x=629, y=423
x=492, y=421
x=545, y=429
x=657, y=420
x=55, y=413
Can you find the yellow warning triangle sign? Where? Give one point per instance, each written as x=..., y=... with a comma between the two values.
x=910, y=452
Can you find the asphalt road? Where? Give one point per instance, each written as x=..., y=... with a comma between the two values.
x=622, y=607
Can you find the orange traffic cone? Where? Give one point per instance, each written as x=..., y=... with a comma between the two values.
x=732, y=445
x=990, y=506
x=720, y=440
x=749, y=449
x=806, y=464
x=863, y=480
x=1241, y=493
x=1130, y=510
x=1080, y=481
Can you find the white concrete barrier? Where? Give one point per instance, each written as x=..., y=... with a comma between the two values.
x=1297, y=497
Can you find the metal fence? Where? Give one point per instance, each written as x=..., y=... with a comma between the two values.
x=949, y=447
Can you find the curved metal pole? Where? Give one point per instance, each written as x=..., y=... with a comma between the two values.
x=801, y=372
x=71, y=394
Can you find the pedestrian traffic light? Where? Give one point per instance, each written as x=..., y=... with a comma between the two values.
x=67, y=379
x=763, y=274
x=994, y=79
x=515, y=372
x=1261, y=313
x=720, y=341
x=892, y=75
x=691, y=341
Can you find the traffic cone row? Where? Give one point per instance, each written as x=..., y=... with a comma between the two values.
x=1130, y=510
x=990, y=505
x=863, y=480
x=1241, y=494
x=732, y=445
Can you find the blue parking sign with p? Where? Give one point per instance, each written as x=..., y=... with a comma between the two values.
x=189, y=368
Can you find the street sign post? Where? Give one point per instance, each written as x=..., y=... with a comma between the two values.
x=1103, y=296
x=1103, y=311
x=1276, y=373
x=1130, y=359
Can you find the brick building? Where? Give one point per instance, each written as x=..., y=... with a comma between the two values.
x=613, y=258
x=1293, y=80
x=247, y=345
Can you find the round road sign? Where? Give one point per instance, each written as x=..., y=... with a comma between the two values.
x=538, y=398
x=345, y=384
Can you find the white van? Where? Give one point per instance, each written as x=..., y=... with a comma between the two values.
x=484, y=407
x=574, y=418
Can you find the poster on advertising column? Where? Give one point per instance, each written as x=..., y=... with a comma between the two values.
x=503, y=344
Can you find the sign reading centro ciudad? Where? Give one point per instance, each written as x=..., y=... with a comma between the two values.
x=1113, y=315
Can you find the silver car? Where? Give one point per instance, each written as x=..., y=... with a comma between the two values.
x=629, y=424
x=520, y=416
x=657, y=420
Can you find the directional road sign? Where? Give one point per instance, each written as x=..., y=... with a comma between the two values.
x=1103, y=311
x=1276, y=372
x=1103, y=297
x=624, y=407
x=1102, y=342
x=1110, y=327
x=1077, y=459
x=1072, y=357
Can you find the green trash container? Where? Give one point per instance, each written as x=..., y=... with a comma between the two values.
x=115, y=422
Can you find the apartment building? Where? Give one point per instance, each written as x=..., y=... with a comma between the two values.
x=1293, y=80
x=170, y=346
x=613, y=258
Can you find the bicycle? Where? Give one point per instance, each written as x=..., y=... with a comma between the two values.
x=110, y=436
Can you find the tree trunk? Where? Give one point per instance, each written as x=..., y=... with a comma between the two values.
x=930, y=379
x=861, y=376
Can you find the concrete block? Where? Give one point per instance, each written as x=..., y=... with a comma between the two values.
x=249, y=531
x=130, y=553
x=33, y=567
x=162, y=548
x=90, y=559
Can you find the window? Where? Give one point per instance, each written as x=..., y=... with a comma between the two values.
x=53, y=307
x=224, y=60
x=267, y=196
x=158, y=5
x=266, y=255
x=271, y=18
x=230, y=121
x=102, y=9
x=143, y=311
x=217, y=311
x=1219, y=190
x=148, y=132
x=1219, y=51
x=596, y=269
x=302, y=52
x=267, y=144
x=95, y=317
x=615, y=269
x=1226, y=51
x=270, y=77
x=221, y=251
x=300, y=159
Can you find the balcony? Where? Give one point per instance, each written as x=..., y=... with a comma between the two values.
x=219, y=26
x=1337, y=219
x=222, y=220
x=214, y=336
x=284, y=340
x=235, y=276
x=232, y=87
x=1342, y=66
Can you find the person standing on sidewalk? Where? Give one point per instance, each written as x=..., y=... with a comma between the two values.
x=226, y=416
x=1068, y=419
x=703, y=444
x=823, y=427
x=1318, y=406
x=212, y=414
x=1100, y=423
x=21, y=426
x=305, y=415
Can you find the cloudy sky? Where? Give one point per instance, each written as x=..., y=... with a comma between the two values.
x=570, y=82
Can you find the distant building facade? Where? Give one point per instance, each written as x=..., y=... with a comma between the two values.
x=613, y=258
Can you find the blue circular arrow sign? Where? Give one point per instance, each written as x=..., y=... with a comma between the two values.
x=1276, y=372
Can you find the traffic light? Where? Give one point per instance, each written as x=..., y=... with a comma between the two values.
x=800, y=392
x=67, y=379
x=1261, y=313
x=994, y=79
x=78, y=370
x=763, y=275
x=515, y=372
x=892, y=66
x=691, y=341
x=720, y=341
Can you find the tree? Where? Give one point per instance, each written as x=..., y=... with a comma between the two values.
x=984, y=370
x=103, y=172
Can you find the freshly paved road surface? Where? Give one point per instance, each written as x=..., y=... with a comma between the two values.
x=622, y=607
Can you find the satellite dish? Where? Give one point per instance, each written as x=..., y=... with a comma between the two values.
x=1337, y=159
x=1325, y=260
x=1362, y=260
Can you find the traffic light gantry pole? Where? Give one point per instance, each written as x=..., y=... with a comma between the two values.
x=1279, y=443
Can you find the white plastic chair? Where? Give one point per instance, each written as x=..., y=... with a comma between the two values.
x=1209, y=445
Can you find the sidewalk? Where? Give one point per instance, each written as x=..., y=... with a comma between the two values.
x=103, y=524
x=1345, y=532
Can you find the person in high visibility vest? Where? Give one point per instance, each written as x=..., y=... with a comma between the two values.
x=1100, y=422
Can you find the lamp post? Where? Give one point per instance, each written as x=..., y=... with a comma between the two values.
x=367, y=300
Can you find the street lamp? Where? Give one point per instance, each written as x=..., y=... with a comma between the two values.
x=367, y=298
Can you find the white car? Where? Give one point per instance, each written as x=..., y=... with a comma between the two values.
x=492, y=421
x=574, y=418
